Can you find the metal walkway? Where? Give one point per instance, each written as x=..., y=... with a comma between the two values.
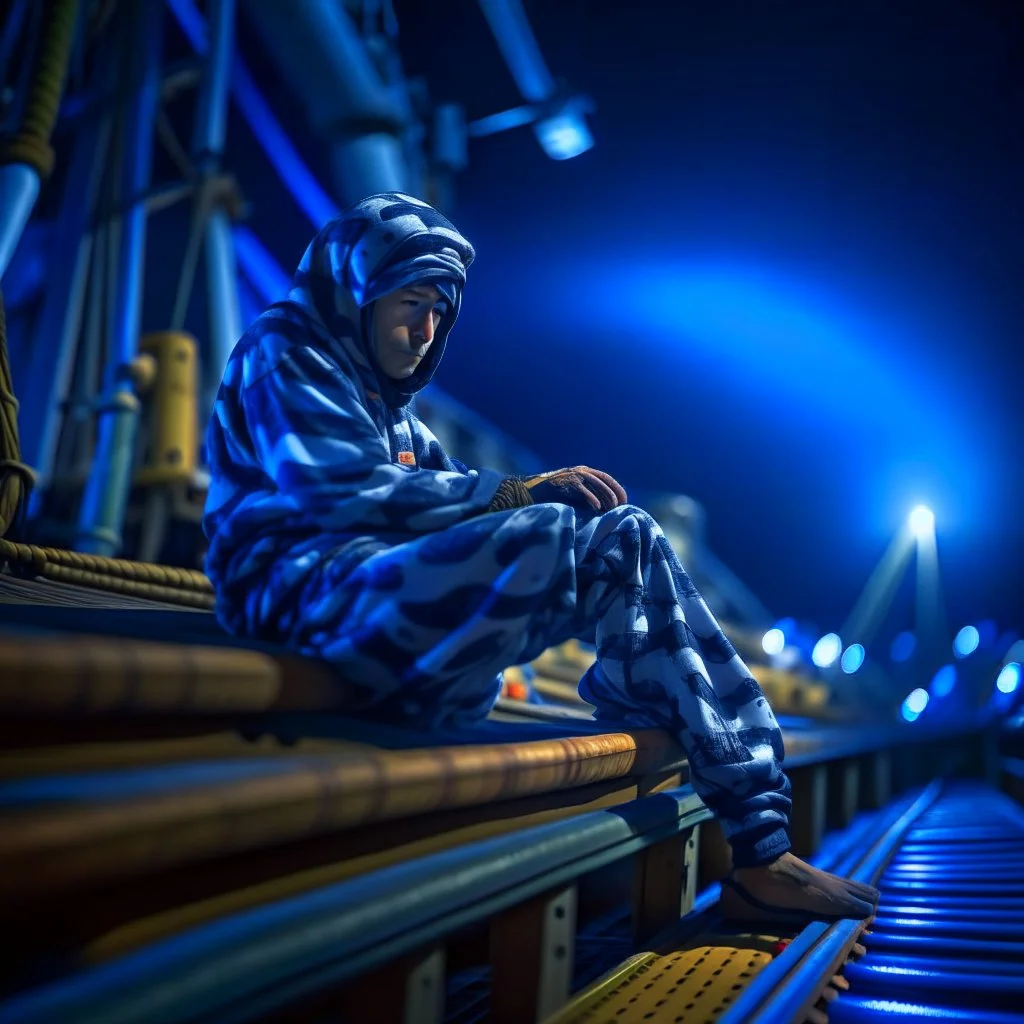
x=948, y=941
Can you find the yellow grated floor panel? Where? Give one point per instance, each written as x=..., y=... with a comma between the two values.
x=694, y=984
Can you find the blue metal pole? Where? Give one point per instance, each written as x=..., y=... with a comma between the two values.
x=225, y=314
x=278, y=147
x=51, y=360
x=81, y=421
x=260, y=268
x=208, y=145
x=19, y=182
x=518, y=46
x=211, y=112
x=329, y=64
x=563, y=133
x=19, y=188
x=106, y=491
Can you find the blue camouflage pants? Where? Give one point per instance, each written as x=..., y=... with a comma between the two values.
x=428, y=626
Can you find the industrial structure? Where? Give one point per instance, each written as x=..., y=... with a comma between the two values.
x=176, y=799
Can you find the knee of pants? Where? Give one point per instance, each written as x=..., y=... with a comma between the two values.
x=647, y=530
x=641, y=514
x=644, y=520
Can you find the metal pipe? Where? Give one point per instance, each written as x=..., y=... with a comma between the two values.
x=89, y=362
x=221, y=272
x=27, y=153
x=262, y=271
x=210, y=222
x=502, y=121
x=51, y=360
x=318, y=206
x=106, y=492
x=212, y=110
x=223, y=301
x=138, y=162
x=562, y=131
x=364, y=164
x=328, y=66
x=19, y=189
x=337, y=75
x=515, y=38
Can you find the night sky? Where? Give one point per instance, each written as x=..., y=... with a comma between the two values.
x=786, y=280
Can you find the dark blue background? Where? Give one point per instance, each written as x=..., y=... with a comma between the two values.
x=786, y=280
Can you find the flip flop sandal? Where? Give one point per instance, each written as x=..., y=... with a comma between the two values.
x=779, y=915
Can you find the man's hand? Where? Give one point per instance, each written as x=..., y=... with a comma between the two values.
x=585, y=489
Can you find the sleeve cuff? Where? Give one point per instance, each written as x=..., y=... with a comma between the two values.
x=511, y=493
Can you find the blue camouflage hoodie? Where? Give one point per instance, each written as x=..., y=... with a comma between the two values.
x=311, y=448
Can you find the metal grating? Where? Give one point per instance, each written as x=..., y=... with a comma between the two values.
x=694, y=985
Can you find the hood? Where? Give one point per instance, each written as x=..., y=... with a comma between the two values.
x=386, y=242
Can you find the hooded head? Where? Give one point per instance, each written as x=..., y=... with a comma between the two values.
x=385, y=243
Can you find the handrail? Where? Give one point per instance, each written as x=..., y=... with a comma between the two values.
x=781, y=987
x=248, y=964
x=835, y=743
x=50, y=823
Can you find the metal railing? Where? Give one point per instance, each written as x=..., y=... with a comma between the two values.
x=247, y=965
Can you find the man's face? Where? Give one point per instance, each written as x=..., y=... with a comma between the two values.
x=404, y=323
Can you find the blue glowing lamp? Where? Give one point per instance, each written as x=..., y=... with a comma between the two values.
x=915, y=703
x=966, y=641
x=943, y=681
x=826, y=650
x=564, y=136
x=922, y=521
x=1009, y=677
x=853, y=658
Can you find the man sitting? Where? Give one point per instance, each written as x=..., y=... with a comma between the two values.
x=339, y=527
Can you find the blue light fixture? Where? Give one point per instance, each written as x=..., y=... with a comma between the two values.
x=853, y=658
x=943, y=681
x=966, y=641
x=922, y=521
x=916, y=701
x=826, y=650
x=564, y=136
x=559, y=120
x=1009, y=677
x=773, y=641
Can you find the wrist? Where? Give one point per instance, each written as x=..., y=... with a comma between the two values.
x=511, y=493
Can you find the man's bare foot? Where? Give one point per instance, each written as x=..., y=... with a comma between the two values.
x=789, y=888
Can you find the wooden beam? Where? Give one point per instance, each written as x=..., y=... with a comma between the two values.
x=532, y=952
x=665, y=880
x=409, y=990
x=810, y=792
x=843, y=787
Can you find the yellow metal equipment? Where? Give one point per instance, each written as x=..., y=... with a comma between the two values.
x=172, y=423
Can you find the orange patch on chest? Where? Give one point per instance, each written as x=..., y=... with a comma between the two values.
x=407, y=458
